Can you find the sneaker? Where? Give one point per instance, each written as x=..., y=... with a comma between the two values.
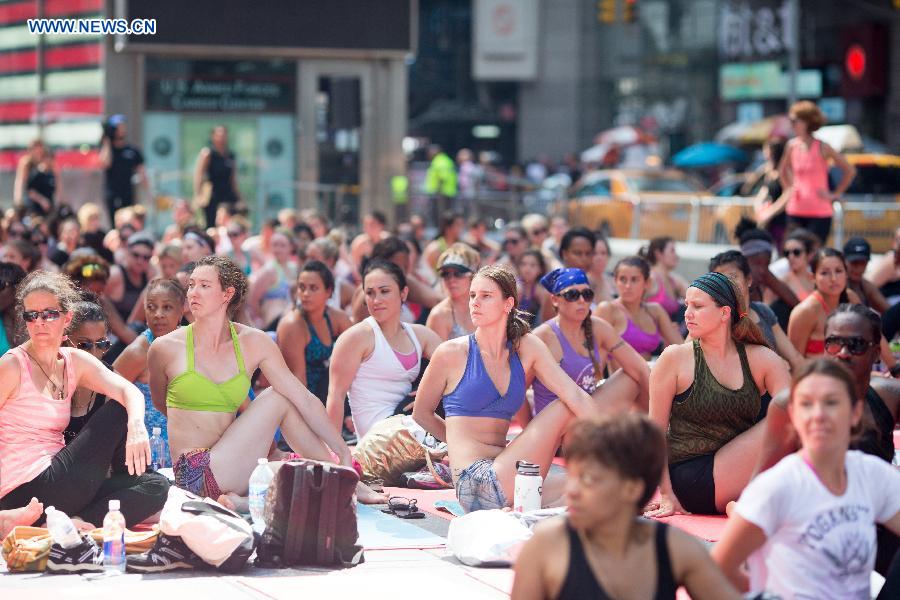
x=86, y=557
x=169, y=553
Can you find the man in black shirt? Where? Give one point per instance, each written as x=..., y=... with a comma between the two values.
x=121, y=161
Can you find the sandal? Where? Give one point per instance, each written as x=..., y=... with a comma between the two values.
x=403, y=508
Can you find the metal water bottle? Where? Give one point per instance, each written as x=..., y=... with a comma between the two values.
x=529, y=486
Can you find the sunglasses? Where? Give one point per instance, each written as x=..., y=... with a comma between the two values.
x=855, y=345
x=453, y=274
x=233, y=234
x=48, y=314
x=793, y=252
x=574, y=295
x=102, y=344
x=140, y=256
x=511, y=241
x=538, y=231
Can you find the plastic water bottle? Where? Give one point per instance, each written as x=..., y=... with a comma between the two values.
x=114, y=539
x=62, y=530
x=528, y=487
x=159, y=450
x=259, y=485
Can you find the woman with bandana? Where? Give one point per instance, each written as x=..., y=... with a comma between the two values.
x=578, y=341
x=706, y=394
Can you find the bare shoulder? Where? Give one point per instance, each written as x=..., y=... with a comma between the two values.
x=452, y=351
x=339, y=319
x=606, y=309
x=293, y=323
x=762, y=355
x=684, y=546
x=9, y=368
x=601, y=327
x=551, y=531
x=170, y=342
x=656, y=310
x=544, y=332
x=675, y=355
x=807, y=307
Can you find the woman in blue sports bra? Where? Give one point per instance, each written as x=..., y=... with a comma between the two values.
x=469, y=373
x=163, y=305
x=306, y=335
x=200, y=376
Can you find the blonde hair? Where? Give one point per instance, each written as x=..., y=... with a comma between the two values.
x=86, y=212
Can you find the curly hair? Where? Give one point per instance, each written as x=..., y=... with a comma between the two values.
x=57, y=284
x=230, y=276
x=809, y=113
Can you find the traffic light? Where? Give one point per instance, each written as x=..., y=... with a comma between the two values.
x=606, y=11
x=629, y=11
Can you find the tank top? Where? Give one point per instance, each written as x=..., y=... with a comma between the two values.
x=879, y=440
x=669, y=304
x=708, y=415
x=810, y=171
x=642, y=341
x=457, y=330
x=767, y=320
x=381, y=382
x=220, y=172
x=131, y=294
x=32, y=425
x=44, y=183
x=581, y=583
x=529, y=304
x=476, y=395
x=579, y=368
x=317, y=356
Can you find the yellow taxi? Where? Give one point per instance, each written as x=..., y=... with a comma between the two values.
x=872, y=211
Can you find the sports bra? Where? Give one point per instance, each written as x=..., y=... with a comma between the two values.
x=642, y=341
x=669, y=304
x=193, y=391
x=477, y=396
x=814, y=347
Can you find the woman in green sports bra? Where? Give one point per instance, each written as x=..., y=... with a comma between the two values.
x=203, y=372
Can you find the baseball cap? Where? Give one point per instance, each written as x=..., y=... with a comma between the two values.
x=456, y=261
x=857, y=248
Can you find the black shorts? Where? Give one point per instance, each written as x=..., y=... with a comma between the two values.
x=693, y=484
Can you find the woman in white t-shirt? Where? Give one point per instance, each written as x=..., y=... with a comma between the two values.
x=807, y=525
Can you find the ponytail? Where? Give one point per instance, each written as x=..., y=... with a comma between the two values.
x=587, y=326
x=516, y=327
x=743, y=329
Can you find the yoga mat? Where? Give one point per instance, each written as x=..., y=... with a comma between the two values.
x=705, y=527
x=380, y=531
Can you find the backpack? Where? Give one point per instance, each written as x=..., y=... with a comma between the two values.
x=222, y=538
x=310, y=516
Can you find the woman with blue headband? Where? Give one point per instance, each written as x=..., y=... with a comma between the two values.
x=706, y=394
x=577, y=341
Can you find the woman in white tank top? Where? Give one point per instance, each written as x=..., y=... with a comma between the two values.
x=376, y=361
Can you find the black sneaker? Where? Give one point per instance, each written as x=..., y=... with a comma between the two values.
x=86, y=557
x=169, y=553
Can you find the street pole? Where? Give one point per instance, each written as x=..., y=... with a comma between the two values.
x=794, y=53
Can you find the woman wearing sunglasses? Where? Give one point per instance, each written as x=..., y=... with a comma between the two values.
x=87, y=332
x=645, y=326
x=706, y=394
x=163, y=306
x=37, y=383
x=450, y=318
x=467, y=374
x=577, y=342
x=806, y=528
x=798, y=249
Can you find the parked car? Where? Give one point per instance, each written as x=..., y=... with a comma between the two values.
x=877, y=184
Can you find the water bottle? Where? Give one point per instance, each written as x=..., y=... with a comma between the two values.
x=62, y=530
x=159, y=450
x=114, y=539
x=259, y=485
x=529, y=486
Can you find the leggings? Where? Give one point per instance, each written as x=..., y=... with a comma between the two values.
x=76, y=481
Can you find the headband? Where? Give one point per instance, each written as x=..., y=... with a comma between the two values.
x=559, y=279
x=719, y=287
x=754, y=247
x=193, y=235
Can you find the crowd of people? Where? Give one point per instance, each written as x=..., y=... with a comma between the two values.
x=736, y=392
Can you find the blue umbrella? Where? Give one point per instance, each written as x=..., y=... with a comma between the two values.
x=708, y=154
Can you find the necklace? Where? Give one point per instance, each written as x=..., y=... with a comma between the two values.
x=55, y=389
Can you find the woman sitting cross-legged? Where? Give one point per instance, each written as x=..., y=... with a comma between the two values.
x=469, y=373
x=706, y=394
x=577, y=342
x=37, y=382
x=807, y=524
x=601, y=549
x=200, y=375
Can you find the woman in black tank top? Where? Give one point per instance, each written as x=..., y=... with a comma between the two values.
x=218, y=166
x=602, y=549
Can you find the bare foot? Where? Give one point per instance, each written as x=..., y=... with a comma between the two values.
x=232, y=501
x=367, y=495
x=20, y=516
x=729, y=507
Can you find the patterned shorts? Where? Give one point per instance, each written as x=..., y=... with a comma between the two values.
x=193, y=473
x=477, y=487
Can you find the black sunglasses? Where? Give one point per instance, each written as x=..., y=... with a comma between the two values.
x=141, y=256
x=855, y=345
x=793, y=252
x=101, y=344
x=453, y=274
x=574, y=295
x=48, y=314
x=511, y=241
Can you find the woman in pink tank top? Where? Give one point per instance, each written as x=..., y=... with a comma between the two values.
x=804, y=173
x=37, y=380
